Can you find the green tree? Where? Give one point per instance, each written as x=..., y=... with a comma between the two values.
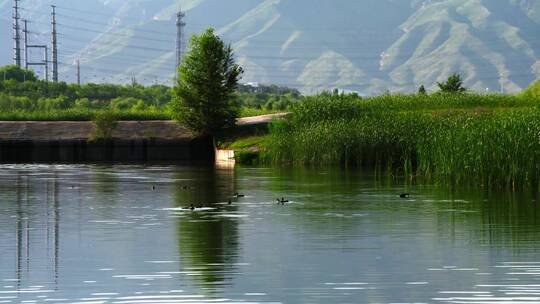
x=14, y=72
x=422, y=90
x=207, y=80
x=454, y=84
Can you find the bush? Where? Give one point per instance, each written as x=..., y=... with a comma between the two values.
x=125, y=103
x=58, y=103
x=104, y=123
x=532, y=92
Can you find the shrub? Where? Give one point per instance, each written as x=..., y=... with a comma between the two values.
x=104, y=123
x=532, y=92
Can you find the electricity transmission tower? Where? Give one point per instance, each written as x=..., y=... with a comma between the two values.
x=180, y=24
x=78, y=72
x=54, y=46
x=27, y=62
x=25, y=31
x=16, y=35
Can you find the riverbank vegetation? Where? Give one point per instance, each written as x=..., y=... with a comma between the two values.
x=23, y=97
x=455, y=138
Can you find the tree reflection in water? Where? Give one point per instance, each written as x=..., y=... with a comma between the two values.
x=208, y=245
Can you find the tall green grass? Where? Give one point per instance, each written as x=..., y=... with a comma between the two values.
x=463, y=138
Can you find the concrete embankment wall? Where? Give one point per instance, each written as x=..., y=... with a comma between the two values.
x=133, y=141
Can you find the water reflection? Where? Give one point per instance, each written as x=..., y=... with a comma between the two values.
x=112, y=234
x=56, y=214
x=340, y=203
x=19, y=228
x=34, y=227
x=105, y=181
x=208, y=246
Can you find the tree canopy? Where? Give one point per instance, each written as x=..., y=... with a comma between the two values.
x=205, y=86
x=13, y=72
x=454, y=84
x=422, y=90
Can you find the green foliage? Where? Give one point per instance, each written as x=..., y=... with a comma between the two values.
x=124, y=103
x=422, y=90
x=248, y=150
x=246, y=157
x=533, y=91
x=207, y=80
x=99, y=95
x=270, y=102
x=325, y=106
x=456, y=138
x=249, y=142
x=268, y=89
x=104, y=123
x=40, y=100
x=454, y=84
x=14, y=73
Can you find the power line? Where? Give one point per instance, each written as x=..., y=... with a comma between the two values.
x=130, y=27
x=113, y=33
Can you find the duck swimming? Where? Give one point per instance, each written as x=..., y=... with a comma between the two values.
x=238, y=195
x=282, y=201
x=404, y=195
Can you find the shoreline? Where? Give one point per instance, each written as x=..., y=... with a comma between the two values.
x=131, y=141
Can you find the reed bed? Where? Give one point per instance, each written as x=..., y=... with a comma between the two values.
x=462, y=138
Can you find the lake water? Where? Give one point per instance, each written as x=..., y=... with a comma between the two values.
x=116, y=234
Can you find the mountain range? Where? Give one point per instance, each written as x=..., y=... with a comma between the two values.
x=366, y=46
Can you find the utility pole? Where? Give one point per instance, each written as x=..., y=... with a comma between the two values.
x=180, y=24
x=501, y=81
x=16, y=35
x=54, y=46
x=46, y=62
x=78, y=72
x=25, y=44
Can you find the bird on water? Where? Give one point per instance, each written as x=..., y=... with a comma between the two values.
x=404, y=195
x=238, y=195
x=282, y=201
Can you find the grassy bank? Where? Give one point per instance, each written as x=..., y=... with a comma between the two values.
x=460, y=138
